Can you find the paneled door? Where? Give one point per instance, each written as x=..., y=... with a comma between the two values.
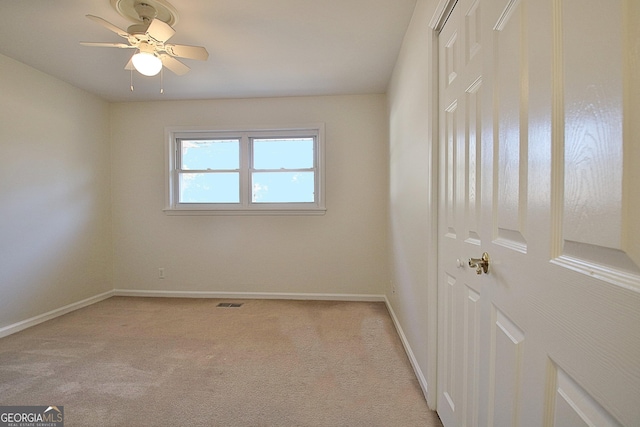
x=539, y=169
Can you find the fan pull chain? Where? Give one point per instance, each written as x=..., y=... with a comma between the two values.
x=161, y=80
x=131, y=81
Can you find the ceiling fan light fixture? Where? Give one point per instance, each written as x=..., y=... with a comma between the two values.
x=147, y=63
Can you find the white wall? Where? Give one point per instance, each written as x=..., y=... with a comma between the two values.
x=342, y=252
x=55, y=238
x=412, y=196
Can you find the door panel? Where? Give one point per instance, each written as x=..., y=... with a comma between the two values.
x=594, y=235
x=539, y=167
x=473, y=130
x=510, y=136
x=451, y=156
x=471, y=356
x=461, y=103
x=574, y=407
x=506, y=353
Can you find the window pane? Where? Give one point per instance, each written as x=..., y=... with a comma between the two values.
x=294, y=153
x=210, y=187
x=283, y=187
x=210, y=154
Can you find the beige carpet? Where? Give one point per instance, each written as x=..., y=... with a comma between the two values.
x=187, y=362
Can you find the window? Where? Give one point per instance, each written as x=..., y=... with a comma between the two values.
x=271, y=171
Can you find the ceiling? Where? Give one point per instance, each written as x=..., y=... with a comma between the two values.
x=257, y=48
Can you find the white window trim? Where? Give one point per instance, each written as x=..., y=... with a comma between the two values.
x=245, y=207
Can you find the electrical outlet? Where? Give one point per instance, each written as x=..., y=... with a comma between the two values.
x=161, y=273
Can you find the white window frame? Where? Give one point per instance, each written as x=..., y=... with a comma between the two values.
x=246, y=206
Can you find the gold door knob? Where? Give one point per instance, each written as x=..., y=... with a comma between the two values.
x=480, y=264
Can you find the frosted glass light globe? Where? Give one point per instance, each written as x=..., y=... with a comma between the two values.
x=147, y=63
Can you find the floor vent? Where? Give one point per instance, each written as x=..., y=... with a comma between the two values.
x=229, y=304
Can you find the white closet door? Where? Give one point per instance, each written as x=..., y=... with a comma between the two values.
x=540, y=168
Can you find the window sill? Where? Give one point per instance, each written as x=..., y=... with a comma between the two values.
x=242, y=212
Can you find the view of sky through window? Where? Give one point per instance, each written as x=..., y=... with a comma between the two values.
x=279, y=185
x=282, y=171
x=211, y=154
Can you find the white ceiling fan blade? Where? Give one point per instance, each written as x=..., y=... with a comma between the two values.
x=160, y=31
x=174, y=65
x=189, y=52
x=109, y=26
x=101, y=44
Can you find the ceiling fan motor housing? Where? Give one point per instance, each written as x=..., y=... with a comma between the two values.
x=144, y=11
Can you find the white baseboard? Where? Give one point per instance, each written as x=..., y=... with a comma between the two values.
x=249, y=295
x=407, y=348
x=24, y=324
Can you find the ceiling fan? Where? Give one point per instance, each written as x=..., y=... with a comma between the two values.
x=149, y=37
